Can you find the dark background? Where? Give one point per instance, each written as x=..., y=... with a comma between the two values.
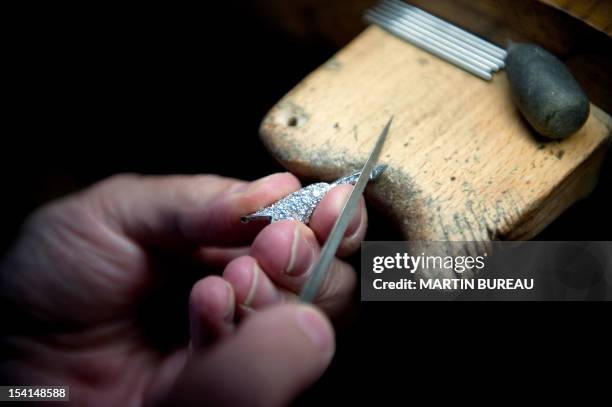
x=100, y=90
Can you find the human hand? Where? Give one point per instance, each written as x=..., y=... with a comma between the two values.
x=80, y=275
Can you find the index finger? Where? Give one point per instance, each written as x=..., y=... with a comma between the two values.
x=185, y=211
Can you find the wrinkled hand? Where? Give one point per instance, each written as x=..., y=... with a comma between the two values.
x=80, y=276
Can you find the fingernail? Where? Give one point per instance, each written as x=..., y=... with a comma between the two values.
x=254, y=282
x=228, y=315
x=316, y=329
x=301, y=256
x=246, y=310
x=353, y=226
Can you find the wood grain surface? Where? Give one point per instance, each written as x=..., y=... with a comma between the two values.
x=577, y=31
x=463, y=164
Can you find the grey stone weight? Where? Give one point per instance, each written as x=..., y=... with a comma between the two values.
x=545, y=91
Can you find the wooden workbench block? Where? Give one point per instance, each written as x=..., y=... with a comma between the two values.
x=463, y=164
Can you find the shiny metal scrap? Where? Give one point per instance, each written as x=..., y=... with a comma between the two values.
x=301, y=204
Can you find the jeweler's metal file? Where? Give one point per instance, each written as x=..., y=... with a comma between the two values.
x=328, y=252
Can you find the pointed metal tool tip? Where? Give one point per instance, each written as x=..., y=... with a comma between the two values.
x=251, y=218
x=377, y=171
x=334, y=238
x=386, y=129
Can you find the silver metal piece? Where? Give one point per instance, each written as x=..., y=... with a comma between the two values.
x=410, y=16
x=301, y=204
x=467, y=36
x=412, y=30
x=328, y=252
x=438, y=37
x=394, y=28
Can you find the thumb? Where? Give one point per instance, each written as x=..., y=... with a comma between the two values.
x=272, y=357
x=185, y=211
